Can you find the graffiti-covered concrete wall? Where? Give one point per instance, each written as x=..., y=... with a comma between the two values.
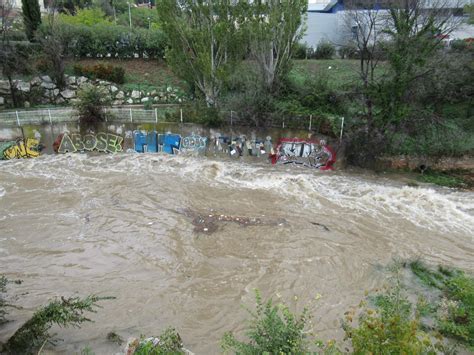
x=271, y=145
x=309, y=153
x=21, y=148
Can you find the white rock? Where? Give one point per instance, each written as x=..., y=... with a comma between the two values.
x=82, y=80
x=60, y=100
x=136, y=94
x=56, y=92
x=27, y=104
x=2, y=101
x=145, y=99
x=113, y=89
x=117, y=102
x=120, y=95
x=48, y=86
x=129, y=101
x=71, y=80
x=35, y=81
x=46, y=79
x=68, y=94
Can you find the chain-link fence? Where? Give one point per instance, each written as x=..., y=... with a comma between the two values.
x=164, y=114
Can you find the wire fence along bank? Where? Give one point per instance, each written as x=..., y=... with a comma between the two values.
x=168, y=114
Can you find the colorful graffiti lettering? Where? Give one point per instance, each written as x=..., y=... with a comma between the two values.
x=153, y=142
x=194, y=143
x=27, y=148
x=102, y=142
x=308, y=153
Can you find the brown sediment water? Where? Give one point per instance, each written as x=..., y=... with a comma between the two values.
x=132, y=226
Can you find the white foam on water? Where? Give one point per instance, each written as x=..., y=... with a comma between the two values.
x=426, y=207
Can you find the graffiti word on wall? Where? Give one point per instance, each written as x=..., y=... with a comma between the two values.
x=27, y=148
x=168, y=143
x=308, y=153
x=241, y=146
x=102, y=142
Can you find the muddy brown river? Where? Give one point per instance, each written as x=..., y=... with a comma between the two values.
x=159, y=233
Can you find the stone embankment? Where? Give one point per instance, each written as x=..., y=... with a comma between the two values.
x=42, y=90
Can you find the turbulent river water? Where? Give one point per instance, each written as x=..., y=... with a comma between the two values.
x=124, y=225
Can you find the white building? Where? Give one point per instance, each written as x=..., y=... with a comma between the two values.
x=327, y=21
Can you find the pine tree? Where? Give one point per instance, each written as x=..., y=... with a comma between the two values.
x=31, y=17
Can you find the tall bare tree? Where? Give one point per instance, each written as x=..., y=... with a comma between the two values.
x=274, y=27
x=204, y=42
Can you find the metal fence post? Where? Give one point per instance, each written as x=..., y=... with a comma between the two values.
x=310, y=121
x=231, y=112
x=156, y=115
x=181, y=113
x=283, y=125
x=131, y=116
x=17, y=119
x=342, y=129
x=50, y=118
x=105, y=113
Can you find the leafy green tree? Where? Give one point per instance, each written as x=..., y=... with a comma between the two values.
x=206, y=42
x=31, y=17
x=88, y=17
x=274, y=28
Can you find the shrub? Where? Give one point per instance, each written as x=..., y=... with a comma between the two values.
x=455, y=311
x=325, y=50
x=92, y=102
x=349, y=51
x=168, y=342
x=101, y=71
x=35, y=332
x=460, y=45
x=86, y=17
x=103, y=40
x=392, y=327
x=300, y=51
x=273, y=330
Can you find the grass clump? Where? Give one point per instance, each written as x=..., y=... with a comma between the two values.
x=455, y=311
x=442, y=179
x=63, y=312
x=274, y=329
x=168, y=342
x=389, y=324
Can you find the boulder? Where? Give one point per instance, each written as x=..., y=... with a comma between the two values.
x=71, y=80
x=117, y=102
x=26, y=104
x=129, y=101
x=145, y=99
x=68, y=94
x=46, y=79
x=23, y=86
x=47, y=85
x=55, y=92
x=60, y=100
x=82, y=80
x=136, y=94
x=2, y=101
x=36, y=81
x=4, y=87
x=113, y=89
x=120, y=95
